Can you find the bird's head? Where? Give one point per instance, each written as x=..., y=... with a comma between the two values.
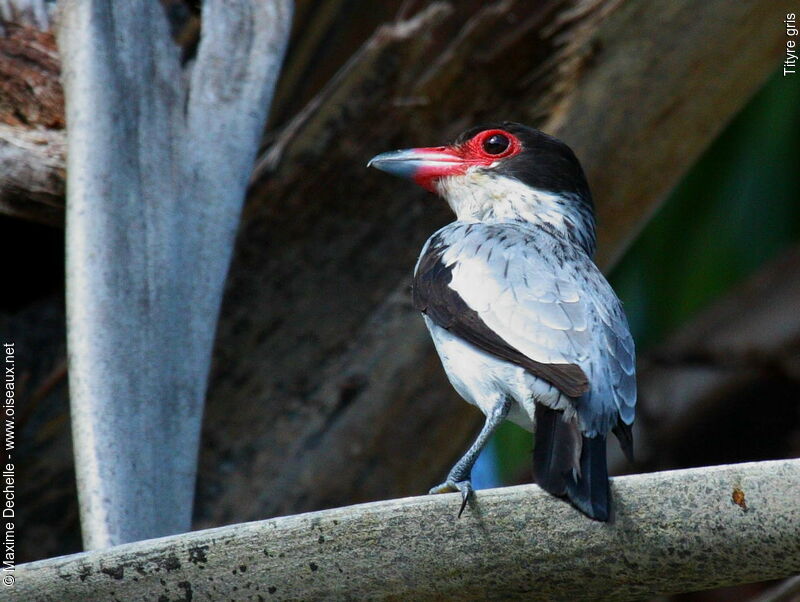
x=503, y=171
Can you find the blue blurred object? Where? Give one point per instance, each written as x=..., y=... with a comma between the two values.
x=485, y=472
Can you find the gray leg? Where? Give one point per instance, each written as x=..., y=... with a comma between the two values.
x=460, y=474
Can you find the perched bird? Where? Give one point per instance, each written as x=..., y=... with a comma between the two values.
x=525, y=324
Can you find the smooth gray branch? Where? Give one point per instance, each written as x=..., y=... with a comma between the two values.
x=670, y=532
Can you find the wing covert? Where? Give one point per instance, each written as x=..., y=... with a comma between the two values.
x=435, y=295
x=508, y=293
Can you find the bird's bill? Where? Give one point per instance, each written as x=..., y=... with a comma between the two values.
x=423, y=165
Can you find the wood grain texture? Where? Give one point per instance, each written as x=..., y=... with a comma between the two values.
x=670, y=532
x=33, y=182
x=30, y=90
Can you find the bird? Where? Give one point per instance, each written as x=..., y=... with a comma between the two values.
x=525, y=324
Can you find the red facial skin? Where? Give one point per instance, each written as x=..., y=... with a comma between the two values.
x=467, y=154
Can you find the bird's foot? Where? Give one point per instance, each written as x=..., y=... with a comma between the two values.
x=451, y=485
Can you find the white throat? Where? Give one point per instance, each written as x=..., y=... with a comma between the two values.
x=481, y=196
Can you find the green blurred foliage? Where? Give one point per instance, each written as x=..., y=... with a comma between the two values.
x=734, y=210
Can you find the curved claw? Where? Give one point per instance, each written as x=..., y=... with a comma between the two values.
x=449, y=486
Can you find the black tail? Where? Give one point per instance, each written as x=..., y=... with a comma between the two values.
x=566, y=463
x=624, y=433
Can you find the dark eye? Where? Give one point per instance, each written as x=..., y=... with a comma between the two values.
x=496, y=144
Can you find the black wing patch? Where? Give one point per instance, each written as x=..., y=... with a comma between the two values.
x=433, y=297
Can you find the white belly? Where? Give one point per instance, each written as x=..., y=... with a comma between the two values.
x=483, y=379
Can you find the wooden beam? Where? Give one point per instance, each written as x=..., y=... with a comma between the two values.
x=670, y=532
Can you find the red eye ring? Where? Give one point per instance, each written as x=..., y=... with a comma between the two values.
x=488, y=145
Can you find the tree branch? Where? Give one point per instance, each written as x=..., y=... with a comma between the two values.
x=671, y=532
x=157, y=175
x=32, y=164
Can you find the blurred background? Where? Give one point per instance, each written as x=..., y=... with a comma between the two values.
x=325, y=388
